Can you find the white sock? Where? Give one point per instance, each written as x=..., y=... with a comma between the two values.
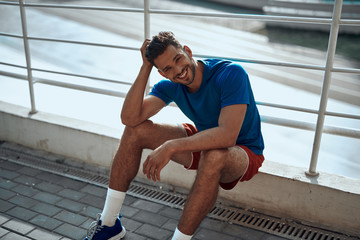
x=180, y=236
x=113, y=203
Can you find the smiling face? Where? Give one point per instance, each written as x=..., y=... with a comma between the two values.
x=177, y=65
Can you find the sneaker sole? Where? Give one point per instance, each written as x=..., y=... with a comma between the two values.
x=120, y=235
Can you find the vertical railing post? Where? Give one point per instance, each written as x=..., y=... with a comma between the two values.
x=325, y=88
x=27, y=56
x=147, y=32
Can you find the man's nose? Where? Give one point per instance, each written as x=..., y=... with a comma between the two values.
x=177, y=70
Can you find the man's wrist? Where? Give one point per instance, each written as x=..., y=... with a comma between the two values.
x=147, y=66
x=170, y=147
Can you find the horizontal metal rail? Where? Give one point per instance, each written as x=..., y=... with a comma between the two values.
x=9, y=74
x=11, y=35
x=244, y=60
x=349, y=22
x=80, y=87
x=13, y=65
x=91, y=8
x=9, y=3
x=76, y=7
x=65, y=85
x=259, y=17
x=267, y=18
x=340, y=131
x=84, y=76
x=13, y=75
x=283, y=64
x=266, y=104
x=307, y=110
x=82, y=43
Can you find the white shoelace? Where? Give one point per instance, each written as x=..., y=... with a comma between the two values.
x=94, y=228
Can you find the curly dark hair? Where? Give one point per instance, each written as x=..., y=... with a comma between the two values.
x=159, y=43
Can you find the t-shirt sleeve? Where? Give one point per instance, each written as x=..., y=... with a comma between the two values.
x=162, y=90
x=234, y=86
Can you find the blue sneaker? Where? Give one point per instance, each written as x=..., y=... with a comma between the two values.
x=98, y=232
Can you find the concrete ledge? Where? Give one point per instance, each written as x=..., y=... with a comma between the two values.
x=327, y=201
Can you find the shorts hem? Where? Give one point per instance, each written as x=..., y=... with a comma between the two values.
x=247, y=165
x=254, y=161
x=192, y=155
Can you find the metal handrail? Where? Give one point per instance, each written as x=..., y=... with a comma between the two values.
x=340, y=131
x=81, y=87
x=319, y=128
x=266, y=104
x=193, y=13
x=307, y=110
x=334, y=31
x=27, y=56
x=283, y=64
x=245, y=60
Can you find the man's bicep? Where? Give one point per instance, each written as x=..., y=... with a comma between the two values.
x=232, y=117
x=151, y=106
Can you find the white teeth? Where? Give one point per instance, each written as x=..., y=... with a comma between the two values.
x=183, y=75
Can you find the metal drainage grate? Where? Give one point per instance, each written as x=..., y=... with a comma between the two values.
x=155, y=194
x=277, y=226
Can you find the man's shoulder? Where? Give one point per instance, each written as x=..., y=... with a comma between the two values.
x=222, y=70
x=215, y=64
x=165, y=83
x=165, y=86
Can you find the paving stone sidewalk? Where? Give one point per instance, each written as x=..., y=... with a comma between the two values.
x=36, y=204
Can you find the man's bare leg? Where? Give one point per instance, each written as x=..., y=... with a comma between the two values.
x=148, y=135
x=215, y=166
x=127, y=162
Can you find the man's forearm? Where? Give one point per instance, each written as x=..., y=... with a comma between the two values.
x=214, y=138
x=134, y=99
x=223, y=136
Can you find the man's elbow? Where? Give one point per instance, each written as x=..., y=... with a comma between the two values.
x=231, y=140
x=128, y=121
x=229, y=137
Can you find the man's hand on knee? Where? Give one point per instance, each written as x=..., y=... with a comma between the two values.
x=155, y=162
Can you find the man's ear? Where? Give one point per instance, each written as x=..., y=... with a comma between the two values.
x=187, y=50
x=162, y=74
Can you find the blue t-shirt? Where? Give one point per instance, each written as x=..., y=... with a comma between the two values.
x=224, y=83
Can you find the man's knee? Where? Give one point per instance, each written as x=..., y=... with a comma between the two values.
x=212, y=161
x=138, y=133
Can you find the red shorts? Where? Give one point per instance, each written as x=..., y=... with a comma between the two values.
x=255, y=161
